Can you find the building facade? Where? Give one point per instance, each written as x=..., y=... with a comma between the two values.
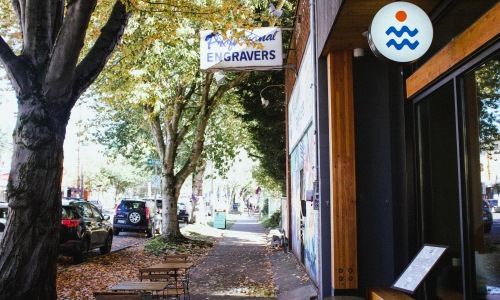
x=384, y=157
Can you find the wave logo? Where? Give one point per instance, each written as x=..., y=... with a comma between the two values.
x=401, y=17
x=401, y=32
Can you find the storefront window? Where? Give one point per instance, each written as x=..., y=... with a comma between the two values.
x=439, y=186
x=458, y=190
x=482, y=88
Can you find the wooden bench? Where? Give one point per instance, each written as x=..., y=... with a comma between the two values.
x=177, y=257
x=385, y=293
x=154, y=277
x=173, y=292
x=101, y=295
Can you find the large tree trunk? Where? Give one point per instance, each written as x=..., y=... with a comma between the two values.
x=170, y=228
x=48, y=78
x=34, y=195
x=168, y=138
x=198, y=201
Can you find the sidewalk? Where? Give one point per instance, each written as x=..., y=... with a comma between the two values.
x=242, y=266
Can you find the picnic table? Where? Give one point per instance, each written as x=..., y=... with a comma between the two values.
x=155, y=286
x=176, y=273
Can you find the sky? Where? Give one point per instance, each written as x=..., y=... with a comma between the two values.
x=88, y=155
x=8, y=108
x=8, y=112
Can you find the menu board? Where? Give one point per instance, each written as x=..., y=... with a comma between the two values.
x=419, y=268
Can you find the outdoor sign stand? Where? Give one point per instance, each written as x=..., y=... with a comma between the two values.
x=220, y=218
x=419, y=267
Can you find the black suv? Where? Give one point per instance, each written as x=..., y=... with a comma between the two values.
x=182, y=213
x=136, y=215
x=83, y=228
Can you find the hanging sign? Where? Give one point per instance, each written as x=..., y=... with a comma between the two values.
x=260, y=49
x=401, y=32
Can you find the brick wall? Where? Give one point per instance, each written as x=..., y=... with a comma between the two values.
x=300, y=35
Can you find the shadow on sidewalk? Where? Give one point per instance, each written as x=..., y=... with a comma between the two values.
x=243, y=266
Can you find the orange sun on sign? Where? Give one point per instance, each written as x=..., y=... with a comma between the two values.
x=401, y=16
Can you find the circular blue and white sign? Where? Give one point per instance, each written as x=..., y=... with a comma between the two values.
x=401, y=32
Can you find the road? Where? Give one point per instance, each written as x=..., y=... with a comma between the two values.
x=123, y=240
x=488, y=262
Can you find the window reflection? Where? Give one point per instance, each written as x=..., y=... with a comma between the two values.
x=486, y=217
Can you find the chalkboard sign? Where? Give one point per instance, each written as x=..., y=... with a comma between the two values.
x=419, y=267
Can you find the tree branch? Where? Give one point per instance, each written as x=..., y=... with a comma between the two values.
x=228, y=86
x=173, y=8
x=206, y=110
x=178, y=108
x=16, y=6
x=15, y=67
x=67, y=47
x=185, y=129
x=57, y=11
x=154, y=124
x=36, y=26
x=93, y=63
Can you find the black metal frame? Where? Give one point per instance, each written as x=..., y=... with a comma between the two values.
x=456, y=75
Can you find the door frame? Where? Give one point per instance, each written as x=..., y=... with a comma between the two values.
x=467, y=231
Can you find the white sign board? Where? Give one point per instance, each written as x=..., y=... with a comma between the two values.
x=419, y=268
x=401, y=32
x=301, y=105
x=262, y=48
x=155, y=181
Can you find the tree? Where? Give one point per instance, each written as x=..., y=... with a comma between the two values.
x=267, y=125
x=488, y=96
x=48, y=76
x=118, y=174
x=178, y=101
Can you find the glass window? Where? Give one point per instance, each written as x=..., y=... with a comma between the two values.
x=130, y=205
x=458, y=183
x=86, y=210
x=482, y=99
x=438, y=189
x=69, y=213
x=97, y=213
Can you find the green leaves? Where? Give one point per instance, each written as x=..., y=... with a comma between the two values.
x=488, y=97
x=266, y=126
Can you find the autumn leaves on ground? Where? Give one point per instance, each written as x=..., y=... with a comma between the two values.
x=102, y=272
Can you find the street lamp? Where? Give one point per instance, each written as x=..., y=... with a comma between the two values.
x=265, y=102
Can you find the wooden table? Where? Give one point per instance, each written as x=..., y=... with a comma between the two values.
x=168, y=266
x=156, y=286
x=178, y=270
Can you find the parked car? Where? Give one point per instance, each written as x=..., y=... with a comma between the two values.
x=134, y=215
x=487, y=217
x=3, y=217
x=83, y=228
x=183, y=213
x=158, y=203
x=97, y=203
x=494, y=208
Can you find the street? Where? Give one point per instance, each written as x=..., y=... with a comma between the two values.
x=491, y=259
x=123, y=240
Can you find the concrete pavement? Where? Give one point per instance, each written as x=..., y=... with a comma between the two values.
x=243, y=266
